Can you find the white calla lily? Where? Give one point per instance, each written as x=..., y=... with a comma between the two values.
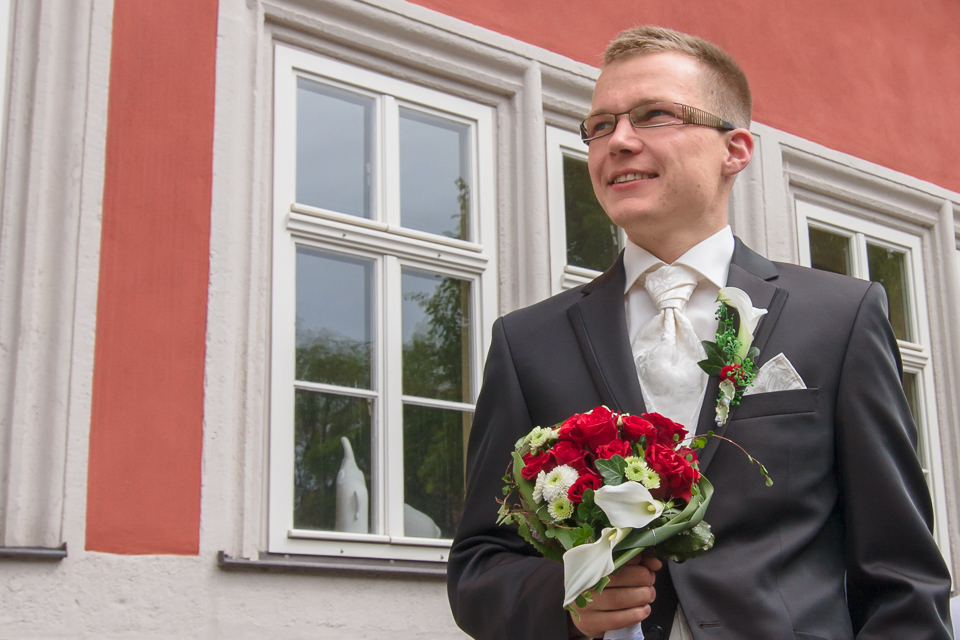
x=628, y=505
x=749, y=315
x=583, y=566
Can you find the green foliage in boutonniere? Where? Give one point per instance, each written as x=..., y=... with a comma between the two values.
x=732, y=357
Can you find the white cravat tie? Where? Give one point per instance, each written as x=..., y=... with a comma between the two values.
x=667, y=349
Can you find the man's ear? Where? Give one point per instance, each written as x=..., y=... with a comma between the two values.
x=738, y=153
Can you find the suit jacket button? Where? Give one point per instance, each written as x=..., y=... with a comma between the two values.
x=654, y=633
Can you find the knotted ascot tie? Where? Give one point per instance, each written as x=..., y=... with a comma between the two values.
x=667, y=349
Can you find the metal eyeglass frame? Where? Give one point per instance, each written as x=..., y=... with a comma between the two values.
x=688, y=115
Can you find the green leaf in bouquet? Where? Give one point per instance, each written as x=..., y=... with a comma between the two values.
x=612, y=470
x=533, y=531
x=565, y=536
x=688, y=518
x=582, y=534
x=524, y=485
x=604, y=581
x=687, y=544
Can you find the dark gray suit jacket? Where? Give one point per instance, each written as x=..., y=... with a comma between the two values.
x=840, y=546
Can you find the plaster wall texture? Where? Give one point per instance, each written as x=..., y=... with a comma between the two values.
x=107, y=596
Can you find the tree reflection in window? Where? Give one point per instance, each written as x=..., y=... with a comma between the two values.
x=436, y=366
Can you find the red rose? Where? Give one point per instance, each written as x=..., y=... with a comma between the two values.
x=568, y=453
x=563, y=433
x=634, y=427
x=615, y=447
x=669, y=433
x=733, y=373
x=586, y=481
x=590, y=430
x=534, y=464
x=677, y=474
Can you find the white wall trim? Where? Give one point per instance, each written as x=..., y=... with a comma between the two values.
x=49, y=247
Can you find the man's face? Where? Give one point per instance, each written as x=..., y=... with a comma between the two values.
x=657, y=181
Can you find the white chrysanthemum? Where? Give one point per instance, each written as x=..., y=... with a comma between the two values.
x=538, y=486
x=540, y=436
x=560, y=509
x=558, y=482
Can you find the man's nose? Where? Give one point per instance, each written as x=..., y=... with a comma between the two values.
x=625, y=137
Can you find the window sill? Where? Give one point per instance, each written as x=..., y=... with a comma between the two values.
x=34, y=554
x=289, y=563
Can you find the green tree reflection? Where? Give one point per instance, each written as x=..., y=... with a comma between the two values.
x=321, y=419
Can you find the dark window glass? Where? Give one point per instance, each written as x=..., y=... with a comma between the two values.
x=332, y=462
x=436, y=336
x=830, y=251
x=889, y=268
x=433, y=470
x=593, y=242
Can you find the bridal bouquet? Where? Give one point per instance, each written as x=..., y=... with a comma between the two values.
x=597, y=489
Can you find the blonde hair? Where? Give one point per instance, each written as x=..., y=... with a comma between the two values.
x=725, y=84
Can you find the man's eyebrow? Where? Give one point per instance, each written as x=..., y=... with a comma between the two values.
x=637, y=104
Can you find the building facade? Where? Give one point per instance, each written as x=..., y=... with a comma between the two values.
x=251, y=251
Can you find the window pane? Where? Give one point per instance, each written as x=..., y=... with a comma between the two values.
x=433, y=470
x=830, y=252
x=334, y=318
x=434, y=174
x=334, y=148
x=332, y=435
x=593, y=242
x=436, y=336
x=911, y=388
x=889, y=268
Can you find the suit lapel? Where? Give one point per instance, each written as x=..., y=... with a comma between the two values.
x=600, y=324
x=753, y=274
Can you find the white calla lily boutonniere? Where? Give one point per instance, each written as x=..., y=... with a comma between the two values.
x=732, y=356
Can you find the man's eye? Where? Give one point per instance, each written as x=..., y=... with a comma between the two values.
x=655, y=115
x=598, y=126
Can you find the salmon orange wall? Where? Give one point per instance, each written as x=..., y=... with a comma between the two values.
x=877, y=79
x=143, y=493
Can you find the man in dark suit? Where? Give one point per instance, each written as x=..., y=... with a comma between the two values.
x=840, y=546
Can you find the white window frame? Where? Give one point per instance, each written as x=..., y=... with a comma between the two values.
x=915, y=352
x=392, y=247
x=560, y=143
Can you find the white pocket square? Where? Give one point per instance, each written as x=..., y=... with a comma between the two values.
x=776, y=375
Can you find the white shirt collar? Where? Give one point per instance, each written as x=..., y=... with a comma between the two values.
x=710, y=258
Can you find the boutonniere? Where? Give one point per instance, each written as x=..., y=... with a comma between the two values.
x=731, y=357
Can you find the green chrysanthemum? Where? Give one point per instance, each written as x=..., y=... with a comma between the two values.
x=540, y=437
x=560, y=509
x=638, y=471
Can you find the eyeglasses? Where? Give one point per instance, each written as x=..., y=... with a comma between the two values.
x=652, y=114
